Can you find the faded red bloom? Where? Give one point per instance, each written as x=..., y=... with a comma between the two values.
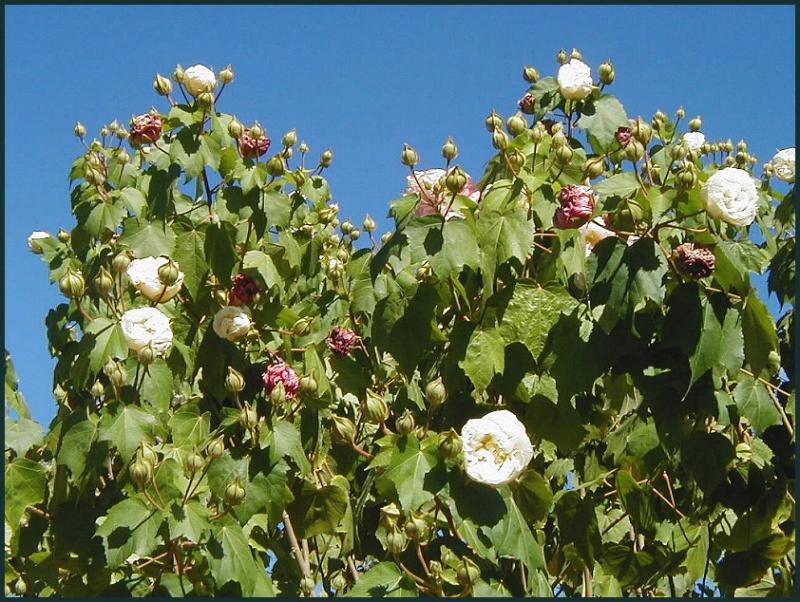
x=341, y=341
x=253, y=147
x=577, y=204
x=243, y=291
x=145, y=129
x=623, y=136
x=280, y=372
x=693, y=260
x=527, y=103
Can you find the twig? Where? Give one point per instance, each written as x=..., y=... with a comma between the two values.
x=302, y=562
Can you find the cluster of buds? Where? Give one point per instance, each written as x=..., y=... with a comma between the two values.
x=116, y=373
x=341, y=341
x=145, y=461
x=145, y=129
x=686, y=176
x=244, y=290
x=577, y=205
x=693, y=260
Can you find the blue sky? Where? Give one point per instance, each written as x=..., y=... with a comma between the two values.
x=361, y=80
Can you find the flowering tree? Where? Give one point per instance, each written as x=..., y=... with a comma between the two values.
x=555, y=379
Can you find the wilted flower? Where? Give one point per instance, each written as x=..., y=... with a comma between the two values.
x=280, y=372
x=575, y=80
x=527, y=104
x=231, y=322
x=731, y=196
x=341, y=341
x=496, y=448
x=34, y=238
x=577, y=204
x=783, y=165
x=693, y=260
x=145, y=129
x=251, y=146
x=243, y=291
x=623, y=136
x=143, y=274
x=199, y=79
x=693, y=140
x=146, y=326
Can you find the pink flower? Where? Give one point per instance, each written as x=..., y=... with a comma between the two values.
x=280, y=372
x=623, y=136
x=434, y=198
x=243, y=291
x=527, y=103
x=145, y=129
x=577, y=204
x=253, y=147
x=341, y=341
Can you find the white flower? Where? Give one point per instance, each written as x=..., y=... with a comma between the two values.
x=496, y=448
x=592, y=232
x=34, y=238
x=428, y=179
x=232, y=322
x=783, y=165
x=731, y=196
x=143, y=274
x=147, y=325
x=199, y=79
x=694, y=140
x=575, y=80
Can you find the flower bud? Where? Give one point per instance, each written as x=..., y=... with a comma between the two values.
x=141, y=471
x=194, y=463
x=369, y=224
x=343, y=430
x=436, y=570
x=606, y=72
x=248, y=417
x=564, y=154
x=234, y=493
x=680, y=113
x=121, y=261
x=308, y=385
x=741, y=158
x=678, y=152
x=60, y=394
x=641, y=131
x=146, y=355
x=98, y=389
x=62, y=235
x=409, y=156
x=71, y=284
x=538, y=132
x=499, y=140
x=396, y=541
x=226, y=75
x=178, y=74
x=695, y=124
x=728, y=146
x=122, y=133
x=449, y=149
x=374, y=408
x=122, y=156
x=104, y=131
x=530, y=74
x=278, y=394
x=634, y=151
x=20, y=587
x=236, y=129
x=730, y=161
x=117, y=374
x=435, y=392
x=346, y=226
x=595, y=167
x=389, y=515
x=467, y=572
x=386, y=237
x=147, y=454
x=415, y=528
x=575, y=54
x=289, y=138
x=355, y=233
x=162, y=85
x=79, y=130
x=168, y=272
x=516, y=159
x=326, y=158
x=493, y=122
x=559, y=140
x=450, y=444
x=275, y=166
x=455, y=180
x=405, y=423
x=561, y=57
x=516, y=124
x=206, y=100
x=216, y=448
x=234, y=381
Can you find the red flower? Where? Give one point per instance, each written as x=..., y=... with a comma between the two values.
x=693, y=260
x=253, y=147
x=145, y=129
x=527, y=103
x=280, y=372
x=341, y=341
x=577, y=204
x=623, y=136
x=243, y=291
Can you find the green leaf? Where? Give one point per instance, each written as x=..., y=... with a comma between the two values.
x=231, y=559
x=219, y=250
x=533, y=495
x=22, y=434
x=127, y=429
x=512, y=537
x=485, y=357
x=621, y=185
x=134, y=200
x=635, y=501
x=77, y=436
x=577, y=524
x=319, y=511
x=285, y=442
x=190, y=255
x=459, y=248
x=25, y=483
x=264, y=267
x=129, y=528
x=531, y=313
x=706, y=456
x=189, y=521
x=556, y=422
x=502, y=236
x=407, y=472
x=157, y=386
x=547, y=93
x=147, y=238
x=601, y=119
x=754, y=403
x=379, y=581
x=278, y=208
x=760, y=337
x=189, y=427
x=105, y=216
x=109, y=342
x=14, y=399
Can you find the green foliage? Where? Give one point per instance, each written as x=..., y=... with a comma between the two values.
x=659, y=405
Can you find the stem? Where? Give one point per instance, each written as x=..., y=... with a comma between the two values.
x=302, y=562
x=587, y=582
